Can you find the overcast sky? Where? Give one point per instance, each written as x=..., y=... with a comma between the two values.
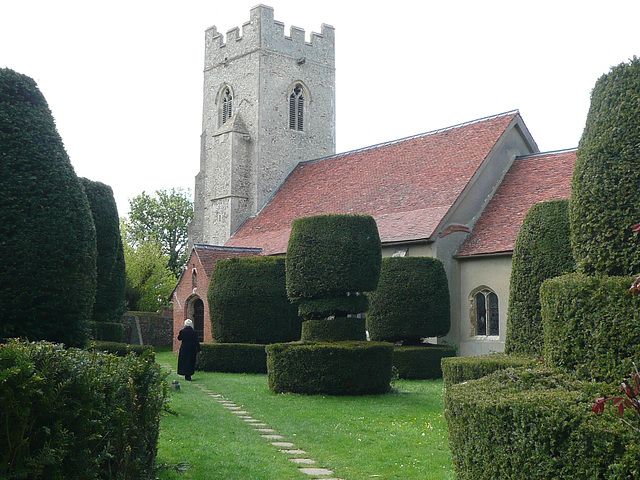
x=124, y=78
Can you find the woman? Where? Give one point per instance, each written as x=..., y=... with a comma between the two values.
x=188, y=350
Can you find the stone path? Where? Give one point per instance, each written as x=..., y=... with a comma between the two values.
x=298, y=456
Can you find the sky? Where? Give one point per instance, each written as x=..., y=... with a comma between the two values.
x=123, y=78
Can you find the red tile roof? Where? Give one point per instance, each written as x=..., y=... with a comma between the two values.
x=407, y=185
x=531, y=179
x=210, y=254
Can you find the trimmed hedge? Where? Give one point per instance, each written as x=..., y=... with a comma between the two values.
x=542, y=250
x=421, y=362
x=232, y=358
x=78, y=414
x=535, y=424
x=107, y=331
x=591, y=325
x=329, y=259
x=248, y=302
x=47, y=236
x=122, y=349
x=340, y=368
x=604, y=189
x=334, y=330
x=411, y=302
x=111, y=274
x=461, y=369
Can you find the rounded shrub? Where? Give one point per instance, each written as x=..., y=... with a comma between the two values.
x=47, y=236
x=536, y=424
x=340, y=368
x=542, y=250
x=604, y=189
x=411, y=302
x=232, y=358
x=421, y=362
x=331, y=260
x=248, y=302
x=111, y=274
x=334, y=330
x=591, y=325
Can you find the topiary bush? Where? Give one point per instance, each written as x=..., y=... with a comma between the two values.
x=591, y=325
x=248, y=302
x=334, y=330
x=536, y=424
x=461, y=369
x=45, y=224
x=331, y=261
x=78, y=414
x=232, y=358
x=111, y=274
x=542, y=250
x=107, y=331
x=604, y=189
x=421, y=362
x=339, y=368
x=411, y=301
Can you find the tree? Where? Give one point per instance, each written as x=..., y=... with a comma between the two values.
x=604, y=190
x=165, y=218
x=47, y=235
x=111, y=275
x=149, y=280
x=542, y=250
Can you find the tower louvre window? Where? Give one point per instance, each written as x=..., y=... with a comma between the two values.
x=227, y=105
x=296, y=109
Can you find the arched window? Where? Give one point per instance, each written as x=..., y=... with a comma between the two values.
x=485, y=309
x=296, y=108
x=226, y=105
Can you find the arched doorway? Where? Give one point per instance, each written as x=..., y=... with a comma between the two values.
x=198, y=318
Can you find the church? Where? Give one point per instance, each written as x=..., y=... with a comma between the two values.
x=459, y=193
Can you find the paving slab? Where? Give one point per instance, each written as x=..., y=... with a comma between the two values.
x=282, y=444
x=265, y=430
x=270, y=436
x=305, y=461
x=316, y=471
x=294, y=451
x=239, y=412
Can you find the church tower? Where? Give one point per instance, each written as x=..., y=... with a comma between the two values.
x=269, y=103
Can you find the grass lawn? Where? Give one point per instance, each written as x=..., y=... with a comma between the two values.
x=401, y=435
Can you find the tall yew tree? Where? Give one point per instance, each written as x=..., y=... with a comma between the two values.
x=47, y=236
x=604, y=192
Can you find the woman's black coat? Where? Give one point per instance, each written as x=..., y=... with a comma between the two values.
x=188, y=350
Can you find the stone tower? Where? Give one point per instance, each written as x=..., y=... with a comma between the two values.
x=269, y=103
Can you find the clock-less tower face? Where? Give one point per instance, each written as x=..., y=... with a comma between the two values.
x=269, y=103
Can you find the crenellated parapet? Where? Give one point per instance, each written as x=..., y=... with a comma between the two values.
x=262, y=31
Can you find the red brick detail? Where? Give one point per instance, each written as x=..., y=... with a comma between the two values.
x=408, y=185
x=531, y=179
x=201, y=261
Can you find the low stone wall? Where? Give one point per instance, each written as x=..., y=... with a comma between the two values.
x=148, y=328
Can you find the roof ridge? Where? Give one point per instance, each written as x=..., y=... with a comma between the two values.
x=551, y=152
x=411, y=137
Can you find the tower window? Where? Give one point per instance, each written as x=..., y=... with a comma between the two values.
x=296, y=108
x=227, y=105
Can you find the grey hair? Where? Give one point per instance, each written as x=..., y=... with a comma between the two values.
x=188, y=323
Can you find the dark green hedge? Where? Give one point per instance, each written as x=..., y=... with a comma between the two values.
x=111, y=275
x=340, y=368
x=604, y=190
x=232, y=358
x=321, y=308
x=411, y=302
x=333, y=256
x=47, y=236
x=421, y=362
x=248, y=302
x=591, y=325
x=107, y=331
x=334, y=330
x=461, y=369
x=542, y=250
x=78, y=414
x=535, y=424
x=122, y=349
